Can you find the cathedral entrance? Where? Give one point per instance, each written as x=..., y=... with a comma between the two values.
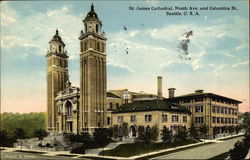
x=132, y=131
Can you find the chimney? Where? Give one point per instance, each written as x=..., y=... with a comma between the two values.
x=171, y=92
x=159, y=86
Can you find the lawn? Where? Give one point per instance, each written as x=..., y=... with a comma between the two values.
x=131, y=149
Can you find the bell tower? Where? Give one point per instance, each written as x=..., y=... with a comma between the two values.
x=92, y=73
x=57, y=74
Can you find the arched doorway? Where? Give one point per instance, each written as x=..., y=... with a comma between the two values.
x=132, y=131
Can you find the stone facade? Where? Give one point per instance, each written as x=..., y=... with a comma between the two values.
x=209, y=109
x=57, y=74
x=92, y=74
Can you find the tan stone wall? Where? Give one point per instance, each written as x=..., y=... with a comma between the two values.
x=156, y=119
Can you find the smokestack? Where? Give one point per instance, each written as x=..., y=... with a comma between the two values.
x=171, y=92
x=159, y=86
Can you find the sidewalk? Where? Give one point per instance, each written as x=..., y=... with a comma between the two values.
x=141, y=156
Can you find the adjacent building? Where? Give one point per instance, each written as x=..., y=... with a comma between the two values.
x=208, y=109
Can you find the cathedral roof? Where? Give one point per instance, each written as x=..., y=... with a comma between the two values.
x=57, y=37
x=151, y=105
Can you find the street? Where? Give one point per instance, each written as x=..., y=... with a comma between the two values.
x=203, y=152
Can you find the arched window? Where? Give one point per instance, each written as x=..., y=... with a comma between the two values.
x=110, y=106
x=60, y=49
x=68, y=106
x=108, y=120
x=85, y=27
x=97, y=28
x=98, y=46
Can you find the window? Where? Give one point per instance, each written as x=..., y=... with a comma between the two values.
x=198, y=119
x=175, y=118
x=108, y=120
x=133, y=118
x=110, y=106
x=222, y=110
x=97, y=28
x=225, y=111
x=117, y=105
x=186, y=100
x=184, y=119
x=218, y=119
x=235, y=112
x=60, y=49
x=81, y=46
x=225, y=120
x=229, y=120
x=164, y=118
x=97, y=46
x=148, y=118
x=120, y=119
x=214, y=119
x=198, y=108
x=213, y=109
x=222, y=120
x=232, y=120
x=218, y=109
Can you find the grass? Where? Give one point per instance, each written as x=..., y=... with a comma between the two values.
x=220, y=156
x=131, y=149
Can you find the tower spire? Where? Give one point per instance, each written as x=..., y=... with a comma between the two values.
x=92, y=7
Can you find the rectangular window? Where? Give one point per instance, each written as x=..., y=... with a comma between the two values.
x=236, y=120
x=186, y=100
x=225, y=120
x=199, y=120
x=229, y=120
x=232, y=120
x=198, y=108
x=218, y=119
x=148, y=118
x=222, y=110
x=184, y=119
x=214, y=119
x=120, y=119
x=218, y=109
x=225, y=110
x=133, y=118
x=222, y=120
x=213, y=109
x=164, y=118
x=175, y=118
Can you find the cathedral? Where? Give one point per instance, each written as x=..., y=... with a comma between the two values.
x=78, y=109
x=73, y=109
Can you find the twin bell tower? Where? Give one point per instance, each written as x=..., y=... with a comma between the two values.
x=93, y=80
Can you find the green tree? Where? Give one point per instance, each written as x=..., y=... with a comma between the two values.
x=141, y=133
x=102, y=136
x=203, y=130
x=3, y=138
x=216, y=130
x=239, y=151
x=246, y=122
x=124, y=129
x=115, y=131
x=154, y=133
x=20, y=134
x=193, y=131
x=40, y=134
x=182, y=133
x=166, y=135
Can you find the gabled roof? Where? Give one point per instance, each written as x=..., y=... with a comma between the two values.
x=151, y=105
x=111, y=95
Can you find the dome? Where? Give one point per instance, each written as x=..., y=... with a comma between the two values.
x=91, y=15
x=56, y=37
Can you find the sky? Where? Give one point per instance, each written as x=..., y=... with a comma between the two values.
x=217, y=60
